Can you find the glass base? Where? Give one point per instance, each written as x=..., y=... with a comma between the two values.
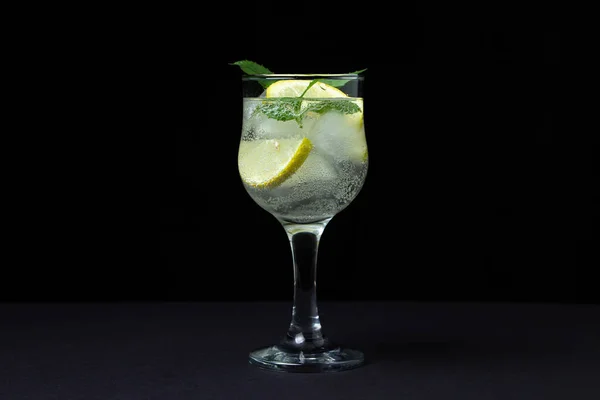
x=337, y=359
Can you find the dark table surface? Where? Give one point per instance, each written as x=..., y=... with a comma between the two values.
x=181, y=351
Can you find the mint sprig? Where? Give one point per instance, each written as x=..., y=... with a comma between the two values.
x=291, y=108
x=251, y=68
x=341, y=82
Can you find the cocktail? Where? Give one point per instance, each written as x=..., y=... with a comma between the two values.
x=303, y=158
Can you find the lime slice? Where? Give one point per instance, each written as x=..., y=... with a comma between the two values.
x=294, y=88
x=268, y=163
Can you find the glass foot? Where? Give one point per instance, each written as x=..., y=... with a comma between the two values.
x=337, y=359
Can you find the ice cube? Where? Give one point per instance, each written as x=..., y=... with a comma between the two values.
x=339, y=136
x=269, y=128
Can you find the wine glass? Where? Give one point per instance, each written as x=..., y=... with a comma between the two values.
x=303, y=158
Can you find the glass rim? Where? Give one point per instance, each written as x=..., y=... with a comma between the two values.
x=302, y=76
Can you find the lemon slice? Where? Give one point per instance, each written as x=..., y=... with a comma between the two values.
x=346, y=132
x=294, y=88
x=268, y=163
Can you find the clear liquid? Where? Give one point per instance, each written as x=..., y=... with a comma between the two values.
x=331, y=176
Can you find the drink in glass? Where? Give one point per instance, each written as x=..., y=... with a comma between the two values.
x=303, y=158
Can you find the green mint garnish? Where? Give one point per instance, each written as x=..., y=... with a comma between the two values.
x=283, y=109
x=290, y=108
x=251, y=68
x=343, y=106
x=341, y=82
x=310, y=84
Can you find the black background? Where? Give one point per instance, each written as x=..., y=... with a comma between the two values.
x=480, y=189
x=476, y=190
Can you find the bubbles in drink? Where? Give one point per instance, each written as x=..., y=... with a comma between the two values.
x=260, y=126
x=339, y=136
x=332, y=174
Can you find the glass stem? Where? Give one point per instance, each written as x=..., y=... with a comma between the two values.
x=304, y=333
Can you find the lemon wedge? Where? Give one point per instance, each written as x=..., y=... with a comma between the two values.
x=294, y=88
x=268, y=163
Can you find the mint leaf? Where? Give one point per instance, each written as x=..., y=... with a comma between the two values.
x=251, y=68
x=341, y=82
x=343, y=106
x=310, y=84
x=283, y=109
x=290, y=108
